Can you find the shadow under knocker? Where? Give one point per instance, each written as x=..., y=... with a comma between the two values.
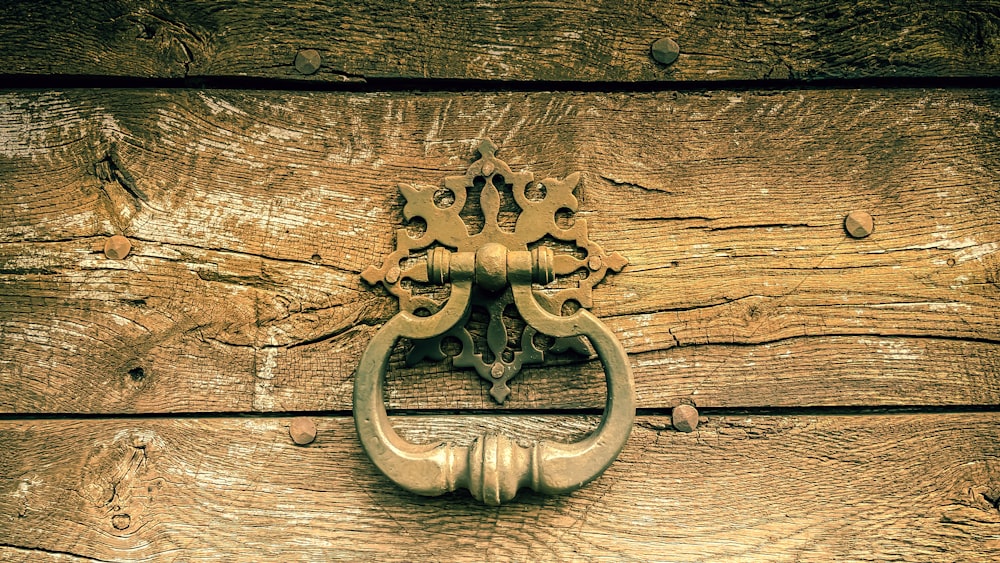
x=493, y=268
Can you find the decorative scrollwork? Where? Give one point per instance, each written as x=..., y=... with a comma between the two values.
x=516, y=215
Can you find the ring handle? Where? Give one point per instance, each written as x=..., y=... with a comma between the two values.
x=494, y=467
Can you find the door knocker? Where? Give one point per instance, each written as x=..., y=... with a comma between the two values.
x=501, y=257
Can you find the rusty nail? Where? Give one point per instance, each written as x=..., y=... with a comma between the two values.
x=302, y=430
x=117, y=247
x=859, y=224
x=665, y=50
x=594, y=263
x=392, y=276
x=307, y=61
x=684, y=418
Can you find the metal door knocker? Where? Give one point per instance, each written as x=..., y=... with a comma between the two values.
x=503, y=256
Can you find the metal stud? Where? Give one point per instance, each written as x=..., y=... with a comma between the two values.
x=302, y=430
x=684, y=418
x=117, y=247
x=665, y=51
x=307, y=61
x=859, y=224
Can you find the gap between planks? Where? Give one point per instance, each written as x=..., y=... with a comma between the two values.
x=431, y=85
x=795, y=411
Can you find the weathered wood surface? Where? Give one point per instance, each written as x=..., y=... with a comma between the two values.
x=251, y=215
x=857, y=488
x=506, y=40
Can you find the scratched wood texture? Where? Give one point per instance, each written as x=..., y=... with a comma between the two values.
x=252, y=214
x=828, y=488
x=571, y=40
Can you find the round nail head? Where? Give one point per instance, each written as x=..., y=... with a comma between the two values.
x=307, y=61
x=594, y=263
x=117, y=247
x=302, y=430
x=497, y=370
x=684, y=418
x=392, y=276
x=859, y=224
x=665, y=50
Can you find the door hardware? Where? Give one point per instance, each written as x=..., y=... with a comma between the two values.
x=503, y=257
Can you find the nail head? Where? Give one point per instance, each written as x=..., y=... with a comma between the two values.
x=307, y=61
x=497, y=370
x=684, y=418
x=392, y=276
x=302, y=430
x=665, y=50
x=117, y=247
x=859, y=224
x=594, y=263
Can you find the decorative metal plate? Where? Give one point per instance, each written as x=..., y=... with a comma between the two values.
x=516, y=214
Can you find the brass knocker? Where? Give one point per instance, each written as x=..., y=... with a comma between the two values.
x=505, y=258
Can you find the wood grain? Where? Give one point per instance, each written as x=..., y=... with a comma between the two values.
x=860, y=488
x=564, y=40
x=252, y=213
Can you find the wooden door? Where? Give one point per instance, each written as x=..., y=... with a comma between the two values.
x=848, y=387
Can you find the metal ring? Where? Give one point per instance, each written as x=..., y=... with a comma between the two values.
x=494, y=467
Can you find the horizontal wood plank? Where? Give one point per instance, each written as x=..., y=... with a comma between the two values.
x=505, y=40
x=251, y=215
x=859, y=488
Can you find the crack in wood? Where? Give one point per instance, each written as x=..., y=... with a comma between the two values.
x=993, y=501
x=760, y=226
x=671, y=218
x=245, y=254
x=763, y=318
x=30, y=550
x=633, y=185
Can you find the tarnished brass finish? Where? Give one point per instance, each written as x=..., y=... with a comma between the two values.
x=509, y=261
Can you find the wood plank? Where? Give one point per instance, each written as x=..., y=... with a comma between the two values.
x=252, y=213
x=568, y=40
x=871, y=488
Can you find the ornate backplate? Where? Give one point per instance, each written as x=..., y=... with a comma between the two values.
x=516, y=213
